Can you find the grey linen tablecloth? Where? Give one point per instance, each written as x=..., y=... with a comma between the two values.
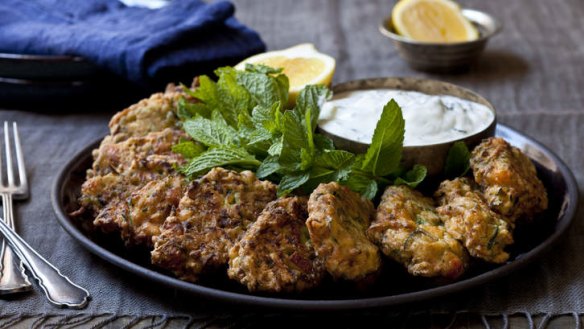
x=533, y=73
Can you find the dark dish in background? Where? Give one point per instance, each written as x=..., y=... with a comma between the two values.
x=67, y=53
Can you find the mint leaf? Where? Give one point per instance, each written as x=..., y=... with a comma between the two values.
x=233, y=98
x=207, y=93
x=220, y=157
x=226, y=96
x=362, y=183
x=330, y=165
x=291, y=182
x=268, y=167
x=188, y=149
x=310, y=100
x=413, y=177
x=264, y=88
x=211, y=132
x=321, y=142
x=266, y=116
x=384, y=154
x=457, y=161
x=338, y=160
x=294, y=139
x=186, y=110
x=276, y=148
x=263, y=69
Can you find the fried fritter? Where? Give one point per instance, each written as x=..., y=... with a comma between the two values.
x=276, y=254
x=338, y=219
x=508, y=179
x=155, y=113
x=98, y=191
x=408, y=229
x=468, y=218
x=121, y=168
x=212, y=215
x=140, y=158
x=139, y=216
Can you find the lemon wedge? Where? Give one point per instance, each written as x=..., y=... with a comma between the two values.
x=439, y=21
x=303, y=64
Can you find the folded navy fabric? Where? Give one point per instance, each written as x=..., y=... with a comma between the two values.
x=148, y=46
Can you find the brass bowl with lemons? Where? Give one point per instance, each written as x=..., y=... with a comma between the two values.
x=437, y=35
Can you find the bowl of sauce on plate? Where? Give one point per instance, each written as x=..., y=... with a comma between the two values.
x=436, y=114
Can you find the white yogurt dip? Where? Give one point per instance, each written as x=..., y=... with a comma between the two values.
x=429, y=119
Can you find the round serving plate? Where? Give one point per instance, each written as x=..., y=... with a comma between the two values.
x=530, y=243
x=46, y=67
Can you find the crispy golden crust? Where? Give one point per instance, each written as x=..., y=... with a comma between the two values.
x=98, y=191
x=508, y=179
x=468, y=218
x=148, y=115
x=212, y=215
x=452, y=189
x=275, y=254
x=140, y=158
x=408, y=229
x=138, y=214
x=338, y=219
x=133, y=185
x=120, y=168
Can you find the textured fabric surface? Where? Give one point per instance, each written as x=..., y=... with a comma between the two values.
x=134, y=42
x=534, y=76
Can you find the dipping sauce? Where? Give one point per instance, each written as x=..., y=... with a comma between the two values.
x=429, y=119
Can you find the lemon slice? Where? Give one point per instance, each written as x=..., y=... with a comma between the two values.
x=303, y=64
x=432, y=21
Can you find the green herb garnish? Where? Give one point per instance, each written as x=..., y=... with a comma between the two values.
x=240, y=123
x=458, y=160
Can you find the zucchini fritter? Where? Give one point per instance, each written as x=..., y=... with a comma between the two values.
x=212, y=215
x=155, y=113
x=468, y=218
x=275, y=254
x=508, y=179
x=139, y=216
x=408, y=229
x=338, y=219
x=140, y=158
x=133, y=183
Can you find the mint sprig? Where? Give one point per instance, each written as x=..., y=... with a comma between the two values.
x=239, y=122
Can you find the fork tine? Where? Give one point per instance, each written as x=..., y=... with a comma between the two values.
x=8, y=152
x=19, y=159
x=1, y=172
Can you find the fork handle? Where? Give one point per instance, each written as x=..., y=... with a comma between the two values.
x=12, y=276
x=58, y=288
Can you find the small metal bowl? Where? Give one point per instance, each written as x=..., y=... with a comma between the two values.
x=432, y=156
x=444, y=57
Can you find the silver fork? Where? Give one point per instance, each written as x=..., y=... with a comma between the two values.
x=12, y=276
x=58, y=288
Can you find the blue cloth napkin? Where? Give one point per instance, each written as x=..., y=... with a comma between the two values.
x=178, y=41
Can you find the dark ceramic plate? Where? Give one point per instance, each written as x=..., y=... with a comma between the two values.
x=530, y=242
x=46, y=67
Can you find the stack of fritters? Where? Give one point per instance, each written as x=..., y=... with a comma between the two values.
x=409, y=230
x=212, y=216
x=133, y=184
x=428, y=240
